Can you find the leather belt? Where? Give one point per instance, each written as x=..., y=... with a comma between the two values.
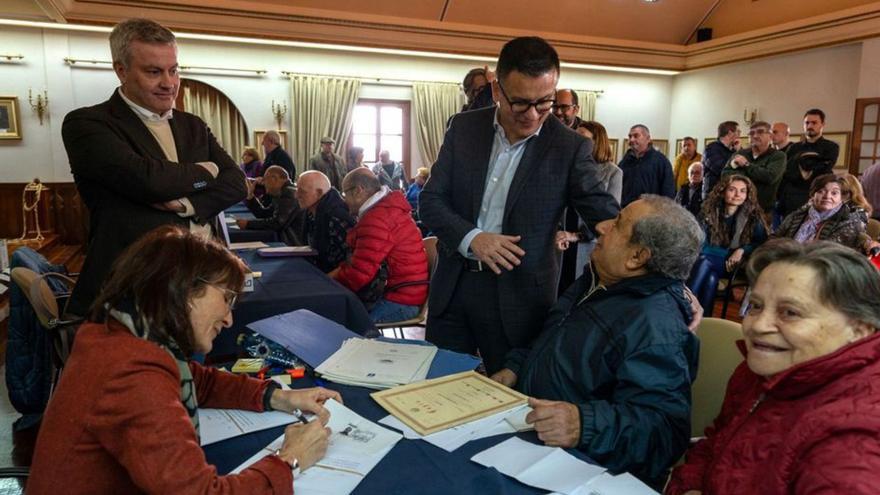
x=475, y=265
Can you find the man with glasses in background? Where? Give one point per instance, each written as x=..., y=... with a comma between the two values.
x=496, y=195
x=760, y=162
x=566, y=108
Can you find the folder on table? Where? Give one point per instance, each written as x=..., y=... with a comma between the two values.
x=313, y=338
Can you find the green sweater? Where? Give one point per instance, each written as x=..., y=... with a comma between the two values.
x=764, y=171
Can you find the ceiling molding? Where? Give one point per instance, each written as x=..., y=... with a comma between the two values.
x=273, y=21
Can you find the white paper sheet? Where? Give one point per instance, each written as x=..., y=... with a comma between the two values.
x=247, y=245
x=453, y=438
x=607, y=484
x=549, y=468
x=375, y=364
x=356, y=446
x=216, y=425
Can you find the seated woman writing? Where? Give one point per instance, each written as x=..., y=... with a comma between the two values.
x=124, y=418
x=801, y=414
x=733, y=224
x=827, y=216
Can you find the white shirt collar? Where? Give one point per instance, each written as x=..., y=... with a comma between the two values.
x=145, y=114
x=372, y=200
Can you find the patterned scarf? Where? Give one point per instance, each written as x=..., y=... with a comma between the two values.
x=139, y=328
x=810, y=227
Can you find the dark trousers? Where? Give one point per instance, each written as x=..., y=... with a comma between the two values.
x=472, y=321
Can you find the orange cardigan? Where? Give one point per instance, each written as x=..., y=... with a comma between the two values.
x=116, y=424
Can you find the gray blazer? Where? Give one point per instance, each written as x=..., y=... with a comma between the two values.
x=557, y=170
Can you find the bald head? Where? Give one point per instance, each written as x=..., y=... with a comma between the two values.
x=780, y=133
x=311, y=187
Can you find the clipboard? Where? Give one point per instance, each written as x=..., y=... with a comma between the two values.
x=441, y=403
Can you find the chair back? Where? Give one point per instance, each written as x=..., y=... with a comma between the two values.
x=719, y=357
x=45, y=304
x=703, y=283
x=873, y=228
x=430, y=244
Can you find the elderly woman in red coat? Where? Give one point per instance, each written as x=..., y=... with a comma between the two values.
x=124, y=418
x=802, y=413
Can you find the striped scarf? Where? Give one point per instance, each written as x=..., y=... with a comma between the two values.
x=140, y=329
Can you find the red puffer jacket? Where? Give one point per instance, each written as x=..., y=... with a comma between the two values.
x=387, y=232
x=812, y=429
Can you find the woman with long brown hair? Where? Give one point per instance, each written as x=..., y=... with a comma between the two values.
x=124, y=418
x=733, y=222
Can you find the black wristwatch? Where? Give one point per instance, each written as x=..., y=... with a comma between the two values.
x=294, y=466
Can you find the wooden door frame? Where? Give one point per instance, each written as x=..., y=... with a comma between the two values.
x=855, y=146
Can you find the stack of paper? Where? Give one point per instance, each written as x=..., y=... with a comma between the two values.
x=375, y=364
x=356, y=446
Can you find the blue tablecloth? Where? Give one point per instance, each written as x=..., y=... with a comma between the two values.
x=412, y=466
x=288, y=284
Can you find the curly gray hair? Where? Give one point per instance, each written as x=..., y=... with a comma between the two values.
x=671, y=234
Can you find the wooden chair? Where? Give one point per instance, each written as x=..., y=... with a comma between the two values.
x=719, y=357
x=430, y=244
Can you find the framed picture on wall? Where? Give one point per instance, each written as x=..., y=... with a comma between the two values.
x=744, y=142
x=842, y=140
x=615, y=148
x=10, y=119
x=678, y=143
x=708, y=141
x=662, y=146
x=258, y=138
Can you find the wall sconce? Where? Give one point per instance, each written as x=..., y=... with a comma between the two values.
x=40, y=104
x=278, y=111
x=750, y=116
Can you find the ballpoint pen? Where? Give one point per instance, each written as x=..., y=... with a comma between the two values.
x=300, y=416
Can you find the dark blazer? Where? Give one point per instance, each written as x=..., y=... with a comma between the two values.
x=281, y=158
x=281, y=214
x=556, y=170
x=120, y=171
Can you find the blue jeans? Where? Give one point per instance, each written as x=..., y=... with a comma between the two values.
x=386, y=311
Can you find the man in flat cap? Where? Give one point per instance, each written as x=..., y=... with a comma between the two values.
x=329, y=163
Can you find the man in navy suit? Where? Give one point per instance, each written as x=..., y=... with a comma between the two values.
x=496, y=195
x=138, y=163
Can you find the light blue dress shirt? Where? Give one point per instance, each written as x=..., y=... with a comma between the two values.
x=503, y=162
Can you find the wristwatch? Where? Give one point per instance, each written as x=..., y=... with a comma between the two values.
x=294, y=466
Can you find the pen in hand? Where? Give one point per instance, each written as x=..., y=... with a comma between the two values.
x=300, y=416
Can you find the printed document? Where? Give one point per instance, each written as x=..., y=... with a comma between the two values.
x=376, y=364
x=441, y=403
x=356, y=446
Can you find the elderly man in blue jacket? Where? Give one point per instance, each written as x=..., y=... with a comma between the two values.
x=611, y=372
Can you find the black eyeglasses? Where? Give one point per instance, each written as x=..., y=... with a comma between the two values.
x=228, y=295
x=541, y=106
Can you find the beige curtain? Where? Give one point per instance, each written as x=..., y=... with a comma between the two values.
x=433, y=104
x=219, y=113
x=320, y=106
x=587, y=100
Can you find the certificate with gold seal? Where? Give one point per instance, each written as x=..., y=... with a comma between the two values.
x=435, y=405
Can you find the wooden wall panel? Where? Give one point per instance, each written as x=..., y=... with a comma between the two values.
x=61, y=212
